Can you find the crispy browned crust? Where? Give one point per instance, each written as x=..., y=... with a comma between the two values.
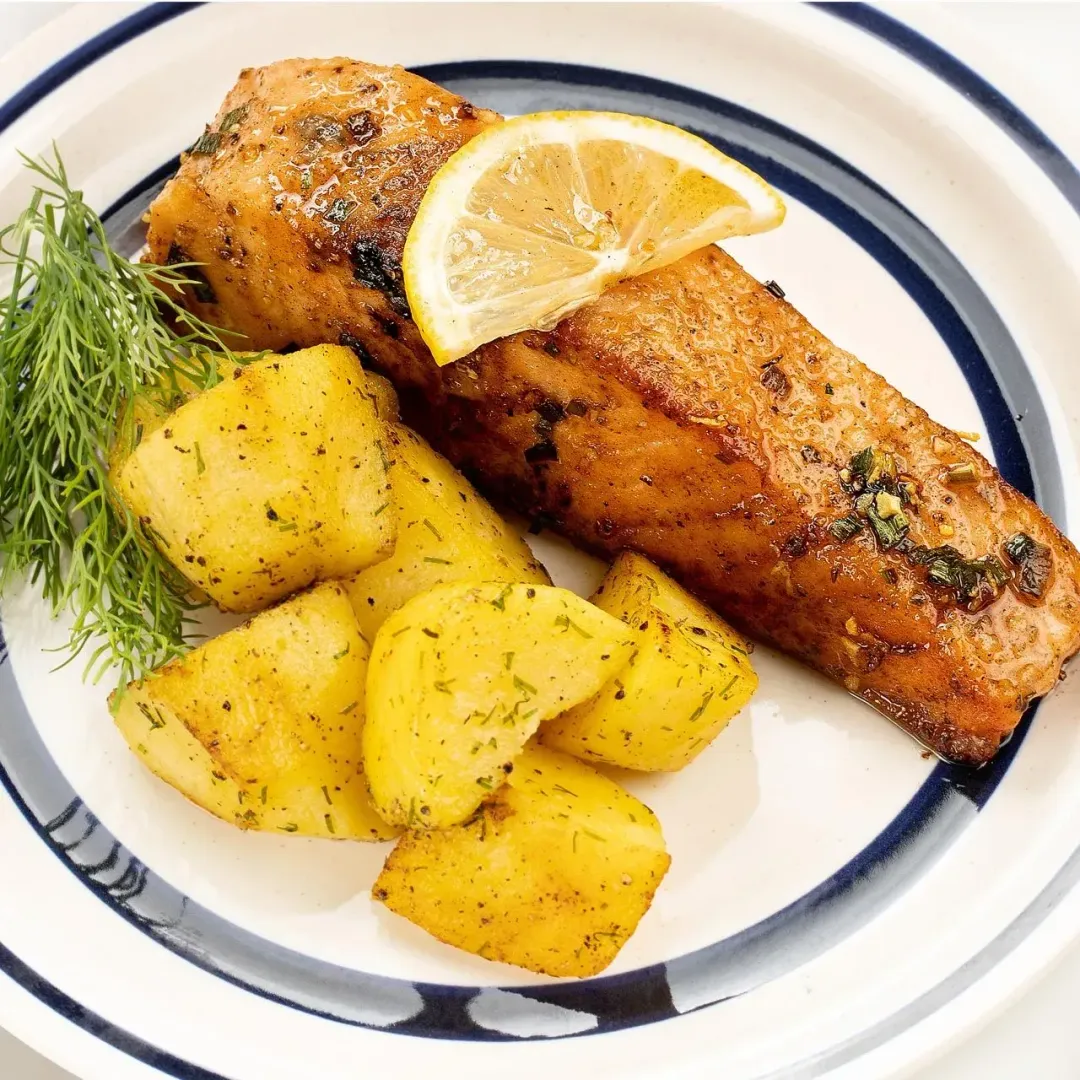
x=666, y=438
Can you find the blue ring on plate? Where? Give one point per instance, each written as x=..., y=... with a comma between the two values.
x=133, y=881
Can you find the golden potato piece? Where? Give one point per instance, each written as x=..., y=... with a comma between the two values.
x=461, y=677
x=262, y=725
x=446, y=532
x=553, y=873
x=269, y=481
x=690, y=675
x=143, y=414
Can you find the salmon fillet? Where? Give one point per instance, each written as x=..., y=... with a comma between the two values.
x=689, y=414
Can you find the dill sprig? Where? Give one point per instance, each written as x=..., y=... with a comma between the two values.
x=82, y=332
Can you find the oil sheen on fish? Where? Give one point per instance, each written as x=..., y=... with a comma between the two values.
x=689, y=414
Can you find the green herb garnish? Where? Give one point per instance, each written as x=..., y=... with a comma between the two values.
x=566, y=623
x=383, y=455
x=963, y=473
x=523, y=686
x=339, y=210
x=975, y=582
x=871, y=479
x=888, y=530
x=82, y=333
x=156, y=721
x=846, y=527
x=232, y=120
x=862, y=461
x=696, y=714
x=872, y=465
x=1034, y=560
x=209, y=142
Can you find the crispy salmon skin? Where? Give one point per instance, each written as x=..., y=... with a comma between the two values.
x=689, y=414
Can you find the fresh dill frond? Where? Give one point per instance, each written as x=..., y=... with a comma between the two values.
x=82, y=332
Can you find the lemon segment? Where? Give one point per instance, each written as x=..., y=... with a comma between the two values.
x=538, y=215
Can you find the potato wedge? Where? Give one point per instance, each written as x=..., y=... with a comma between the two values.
x=553, y=873
x=262, y=726
x=461, y=677
x=446, y=532
x=690, y=675
x=269, y=481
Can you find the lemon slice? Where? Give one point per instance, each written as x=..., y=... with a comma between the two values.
x=536, y=216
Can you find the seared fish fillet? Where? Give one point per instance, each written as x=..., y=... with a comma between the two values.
x=688, y=414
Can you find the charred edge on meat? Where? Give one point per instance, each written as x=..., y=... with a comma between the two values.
x=358, y=347
x=364, y=127
x=375, y=269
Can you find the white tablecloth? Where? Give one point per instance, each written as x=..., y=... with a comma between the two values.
x=1037, y=1036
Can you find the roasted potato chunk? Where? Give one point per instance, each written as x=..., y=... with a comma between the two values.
x=269, y=481
x=553, y=873
x=446, y=532
x=688, y=677
x=261, y=726
x=149, y=410
x=461, y=677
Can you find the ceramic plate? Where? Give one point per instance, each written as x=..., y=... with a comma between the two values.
x=838, y=901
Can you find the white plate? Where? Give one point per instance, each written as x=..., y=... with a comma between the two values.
x=836, y=901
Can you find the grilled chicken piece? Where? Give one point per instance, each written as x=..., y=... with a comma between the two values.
x=689, y=414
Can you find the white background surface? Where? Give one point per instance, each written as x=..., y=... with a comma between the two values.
x=1037, y=45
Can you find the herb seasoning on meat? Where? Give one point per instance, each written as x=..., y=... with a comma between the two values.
x=1034, y=562
x=880, y=495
